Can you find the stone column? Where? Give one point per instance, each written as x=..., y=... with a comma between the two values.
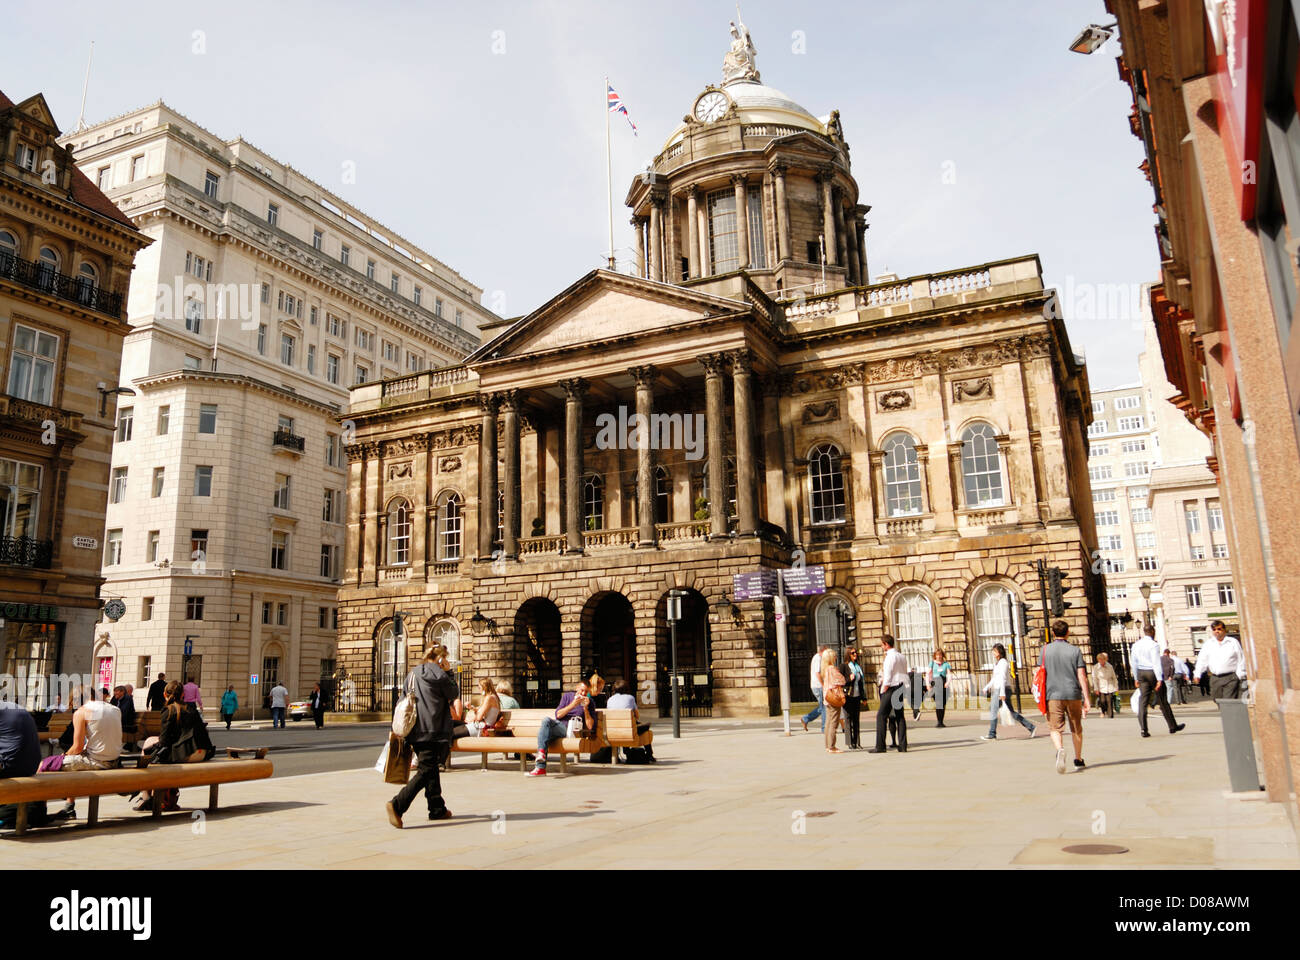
x=487, y=475
x=574, y=391
x=827, y=178
x=774, y=452
x=510, y=416
x=693, y=230
x=656, y=238
x=954, y=476
x=638, y=223
x=702, y=220
x=860, y=228
x=742, y=373
x=714, y=365
x=781, y=213
x=853, y=259
x=645, y=482
x=741, y=187
x=923, y=465
x=672, y=244
x=841, y=241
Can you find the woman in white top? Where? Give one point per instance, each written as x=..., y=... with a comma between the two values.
x=997, y=690
x=1105, y=684
x=489, y=709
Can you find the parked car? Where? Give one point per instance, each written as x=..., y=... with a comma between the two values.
x=300, y=709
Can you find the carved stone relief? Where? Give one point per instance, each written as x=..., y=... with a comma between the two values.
x=822, y=411
x=980, y=388
x=889, y=401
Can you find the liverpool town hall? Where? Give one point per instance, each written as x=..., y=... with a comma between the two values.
x=749, y=398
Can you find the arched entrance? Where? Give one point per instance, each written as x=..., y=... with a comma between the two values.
x=389, y=668
x=609, y=638
x=538, y=680
x=694, y=656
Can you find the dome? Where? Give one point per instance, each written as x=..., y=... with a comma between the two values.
x=758, y=103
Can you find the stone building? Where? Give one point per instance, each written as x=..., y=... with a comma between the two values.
x=1213, y=102
x=66, y=254
x=920, y=438
x=263, y=298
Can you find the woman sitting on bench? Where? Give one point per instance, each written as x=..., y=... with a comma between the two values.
x=183, y=739
x=488, y=712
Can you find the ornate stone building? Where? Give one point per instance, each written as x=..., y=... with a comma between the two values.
x=66, y=254
x=920, y=438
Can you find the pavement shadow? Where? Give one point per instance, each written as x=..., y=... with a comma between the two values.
x=145, y=823
x=1124, y=763
x=488, y=818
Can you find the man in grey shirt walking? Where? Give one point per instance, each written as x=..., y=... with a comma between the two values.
x=1067, y=692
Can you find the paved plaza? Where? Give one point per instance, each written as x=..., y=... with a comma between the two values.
x=736, y=794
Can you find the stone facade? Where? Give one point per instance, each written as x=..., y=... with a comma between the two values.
x=66, y=254
x=921, y=439
x=262, y=299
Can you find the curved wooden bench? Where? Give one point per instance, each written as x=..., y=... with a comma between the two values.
x=155, y=777
x=617, y=728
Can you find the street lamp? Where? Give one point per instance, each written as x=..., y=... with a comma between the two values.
x=674, y=613
x=1092, y=38
x=105, y=393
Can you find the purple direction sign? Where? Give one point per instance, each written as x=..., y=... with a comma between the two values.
x=754, y=585
x=801, y=581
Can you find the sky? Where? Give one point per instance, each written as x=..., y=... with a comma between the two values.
x=477, y=130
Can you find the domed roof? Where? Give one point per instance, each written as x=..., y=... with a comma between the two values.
x=758, y=103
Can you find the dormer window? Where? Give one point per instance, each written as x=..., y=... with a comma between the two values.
x=25, y=156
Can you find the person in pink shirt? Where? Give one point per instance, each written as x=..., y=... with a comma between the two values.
x=191, y=694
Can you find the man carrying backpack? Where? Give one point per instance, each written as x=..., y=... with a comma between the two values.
x=1066, y=692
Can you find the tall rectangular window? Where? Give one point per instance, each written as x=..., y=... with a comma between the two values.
x=317, y=239
x=332, y=450
x=394, y=282
x=151, y=546
x=261, y=339
x=198, y=544
x=203, y=481
x=329, y=561
x=113, y=548
x=723, y=251
x=210, y=184
x=1192, y=595
x=370, y=269
x=363, y=374
x=757, y=243
x=117, y=492
x=279, y=550
x=146, y=613
x=1227, y=596
x=286, y=349
x=1216, y=519
x=418, y=296
x=280, y=500
x=164, y=419
x=193, y=608
x=332, y=368
x=330, y=509
x=20, y=498
x=207, y=418
x=103, y=179
x=125, y=423
x=311, y=358
x=1193, y=517
x=159, y=475
x=345, y=254
x=272, y=214
x=137, y=168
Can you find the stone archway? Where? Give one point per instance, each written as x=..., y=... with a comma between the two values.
x=694, y=656
x=536, y=659
x=608, y=645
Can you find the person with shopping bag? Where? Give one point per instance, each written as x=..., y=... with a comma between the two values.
x=433, y=690
x=997, y=690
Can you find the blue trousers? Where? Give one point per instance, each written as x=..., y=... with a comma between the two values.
x=817, y=711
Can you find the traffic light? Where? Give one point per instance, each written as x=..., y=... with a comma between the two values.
x=1024, y=620
x=1056, y=587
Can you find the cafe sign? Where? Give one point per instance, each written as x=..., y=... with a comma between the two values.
x=32, y=612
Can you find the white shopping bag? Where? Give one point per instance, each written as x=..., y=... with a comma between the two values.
x=1004, y=716
x=382, y=762
x=1135, y=701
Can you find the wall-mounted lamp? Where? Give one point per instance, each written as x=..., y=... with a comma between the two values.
x=106, y=392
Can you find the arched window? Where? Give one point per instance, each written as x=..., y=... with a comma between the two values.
x=445, y=631
x=902, y=476
x=8, y=246
x=663, y=495
x=914, y=627
x=392, y=658
x=49, y=266
x=87, y=280
x=828, y=627
x=399, y=534
x=992, y=624
x=449, y=528
x=826, y=477
x=593, y=503
x=981, y=467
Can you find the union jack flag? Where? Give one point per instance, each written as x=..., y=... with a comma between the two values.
x=616, y=106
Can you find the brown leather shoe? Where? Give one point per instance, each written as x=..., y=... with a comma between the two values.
x=393, y=817
x=445, y=815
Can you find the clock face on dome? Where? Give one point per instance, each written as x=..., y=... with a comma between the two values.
x=711, y=106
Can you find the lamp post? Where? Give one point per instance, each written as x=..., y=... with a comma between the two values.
x=674, y=612
x=479, y=626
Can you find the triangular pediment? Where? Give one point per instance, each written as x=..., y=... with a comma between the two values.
x=605, y=306
x=35, y=108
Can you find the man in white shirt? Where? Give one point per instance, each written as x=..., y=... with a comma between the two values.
x=279, y=701
x=1225, y=661
x=815, y=679
x=893, y=696
x=1145, y=657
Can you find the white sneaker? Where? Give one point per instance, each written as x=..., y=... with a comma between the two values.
x=1060, y=760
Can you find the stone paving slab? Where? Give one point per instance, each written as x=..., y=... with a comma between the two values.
x=737, y=794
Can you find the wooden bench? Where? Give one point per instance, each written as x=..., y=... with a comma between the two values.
x=615, y=729
x=158, y=777
x=259, y=753
x=148, y=723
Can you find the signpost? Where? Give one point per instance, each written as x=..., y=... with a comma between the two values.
x=253, y=683
x=674, y=615
x=778, y=584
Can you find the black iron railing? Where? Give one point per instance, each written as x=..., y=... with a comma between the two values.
x=38, y=275
x=26, y=552
x=288, y=440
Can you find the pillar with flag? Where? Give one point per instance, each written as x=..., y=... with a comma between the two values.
x=614, y=104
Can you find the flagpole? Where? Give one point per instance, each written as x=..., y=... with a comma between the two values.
x=609, y=180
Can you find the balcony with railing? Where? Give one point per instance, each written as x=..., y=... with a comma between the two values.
x=37, y=275
x=288, y=440
x=26, y=552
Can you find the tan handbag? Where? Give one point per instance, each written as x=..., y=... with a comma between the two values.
x=397, y=766
x=835, y=697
